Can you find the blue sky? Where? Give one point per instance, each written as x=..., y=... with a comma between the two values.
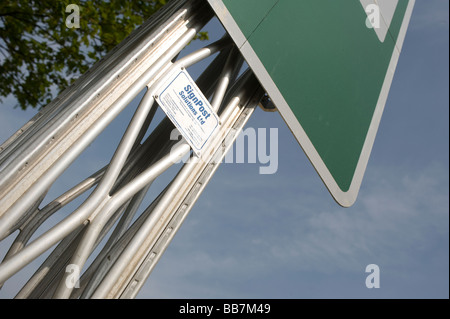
x=282, y=235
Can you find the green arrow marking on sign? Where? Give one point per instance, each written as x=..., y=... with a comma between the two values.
x=327, y=69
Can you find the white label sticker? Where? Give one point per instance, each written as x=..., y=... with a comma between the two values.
x=188, y=109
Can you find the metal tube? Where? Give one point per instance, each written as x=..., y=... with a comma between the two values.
x=125, y=181
x=110, y=287
x=148, y=255
x=119, y=230
x=115, y=272
x=119, y=158
x=20, y=222
x=35, y=171
x=103, y=262
x=116, y=201
x=115, y=57
x=181, y=211
x=52, y=236
x=31, y=288
x=225, y=79
x=47, y=179
x=87, y=94
x=100, y=270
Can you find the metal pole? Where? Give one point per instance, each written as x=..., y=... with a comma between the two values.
x=35, y=156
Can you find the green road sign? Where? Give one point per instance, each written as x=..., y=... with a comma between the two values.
x=327, y=65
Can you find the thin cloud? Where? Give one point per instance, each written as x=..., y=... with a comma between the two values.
x=397, y=220
x=432, y=14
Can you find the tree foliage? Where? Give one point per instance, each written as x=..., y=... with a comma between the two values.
x=40, y=55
